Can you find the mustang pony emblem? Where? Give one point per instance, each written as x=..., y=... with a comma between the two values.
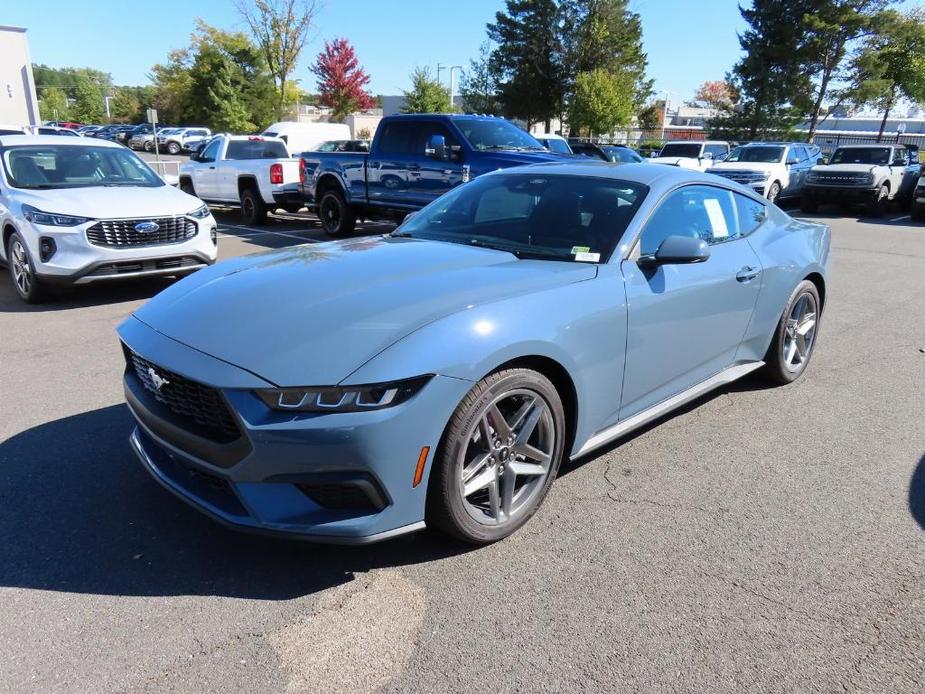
x=158, y=380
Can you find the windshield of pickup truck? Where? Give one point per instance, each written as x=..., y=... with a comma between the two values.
x=757, y=155
x=681, y=149
x=533, y=216
x=44, y=167
x=256, y=149
x=879, y=156
x=497, y=134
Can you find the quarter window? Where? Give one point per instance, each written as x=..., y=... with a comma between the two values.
x=751, y=214
x=210, y=152
x=701, y=212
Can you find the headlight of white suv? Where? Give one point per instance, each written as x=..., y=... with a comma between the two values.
x=346, y=399
x=199, y=212
x=51, y=219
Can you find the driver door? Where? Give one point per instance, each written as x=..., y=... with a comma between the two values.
x=685, y=322
x=205, y=175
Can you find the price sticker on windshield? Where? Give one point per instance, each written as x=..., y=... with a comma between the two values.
x=586, y=257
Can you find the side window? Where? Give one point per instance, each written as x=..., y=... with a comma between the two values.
x=716, y=150
x=210, y=152
x=423, y=134
x=751, y=214
x=397, y=138
x=701, y=212
x=900, y=155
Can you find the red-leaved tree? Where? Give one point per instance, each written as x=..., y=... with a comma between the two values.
x=341, y=80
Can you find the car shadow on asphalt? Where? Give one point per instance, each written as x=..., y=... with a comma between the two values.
x=79, y=514
x=67, y=298
x=917, y=493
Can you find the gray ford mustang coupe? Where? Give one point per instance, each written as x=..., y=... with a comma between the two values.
x=356, y=390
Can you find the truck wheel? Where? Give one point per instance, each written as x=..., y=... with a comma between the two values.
x=877, y=205
x=173, y=147
x=253, y=209
x=773, y=192
x=337, y=219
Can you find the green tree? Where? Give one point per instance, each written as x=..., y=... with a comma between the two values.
x=54, y=104
x=88, y=101
x=478, y=87
x=648, y=117
x=173, y=86
x=890, y=65
x=427, y=95
x=125, y=105
x=602, y=101
x=527, y=60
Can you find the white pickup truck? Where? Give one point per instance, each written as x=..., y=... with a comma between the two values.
x=688, y=154
x=255, y=173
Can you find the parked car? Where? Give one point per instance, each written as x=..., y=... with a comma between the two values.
x=53, y=130
x=88, y=130
x=306, y=137
x=115, y=133
x=75, y=211
x=104, y=132
x=692, y=155
x=554, y=143
x=772, y=169
x=177, y=140
x=439, y=376
x=872, y=175
x=65, y=124
x=917, y=209
x=617, y=154
x=343, y=146
x=144, y=140
x=413, y=159
x=253, y=172
x=6, y=129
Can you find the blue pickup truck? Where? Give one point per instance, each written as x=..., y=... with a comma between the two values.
x=414, y=158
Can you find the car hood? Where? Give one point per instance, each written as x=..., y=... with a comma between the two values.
x=313, y=314
x=845, y=168
x=111, y=203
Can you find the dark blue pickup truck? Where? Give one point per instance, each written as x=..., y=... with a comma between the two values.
x=413, y=159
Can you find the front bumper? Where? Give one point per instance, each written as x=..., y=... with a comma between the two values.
x=842, y=193
x=342, y=478
x=77, y=261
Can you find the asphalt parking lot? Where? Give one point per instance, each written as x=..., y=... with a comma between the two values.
x=763, y=539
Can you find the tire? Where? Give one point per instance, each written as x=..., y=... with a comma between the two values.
x=786, y=360
x=809, y=204
x=337, y=219
x=877, y=206
x=173, y=148
x=506, y=499
x=773, y=192
x=148, y=146
x=186, y=185
x=253, y=209
x=22, y=271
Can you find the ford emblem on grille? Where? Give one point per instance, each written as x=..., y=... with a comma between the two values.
x=147, y=227
x=158, y=380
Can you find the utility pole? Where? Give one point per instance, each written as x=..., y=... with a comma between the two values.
x=453, y=83
x=439, y=69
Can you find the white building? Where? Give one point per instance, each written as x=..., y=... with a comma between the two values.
x=18, y=102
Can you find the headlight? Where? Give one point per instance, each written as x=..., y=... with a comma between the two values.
x=51, y=219
x=199, y=213
x=347, y=399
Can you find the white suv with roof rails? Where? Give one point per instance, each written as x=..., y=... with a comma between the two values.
x=774, y=170
x=76, y=210
x=177, y=140
x=692, y=154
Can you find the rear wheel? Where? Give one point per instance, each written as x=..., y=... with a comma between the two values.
x=253, y=209
x=795, y=337
x=22, y=271
x=173, y=147
x=499, y=456
x=148, y=146
x=336, y=217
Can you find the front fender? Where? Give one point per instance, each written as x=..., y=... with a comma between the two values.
x=582, y=327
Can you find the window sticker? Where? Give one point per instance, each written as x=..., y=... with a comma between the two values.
x=717, y=218
x=580, y=249
x=585, y=257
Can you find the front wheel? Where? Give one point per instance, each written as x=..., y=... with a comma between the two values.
x=336, y=217
x=173, y=148
x=795, y=337
x=774, y=192
x=499, y=455
x=148, y=146
x=22, y=271
x=877, y=205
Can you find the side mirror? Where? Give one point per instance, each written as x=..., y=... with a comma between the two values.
x=792, y=160
x=436, y=147
x=706, y=155
x=171, y=179
x=677, y=250
x=898, y=162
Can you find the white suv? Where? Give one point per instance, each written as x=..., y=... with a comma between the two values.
x=75, y=210
x=772, y=169
x=178, y=139
x=690, y=154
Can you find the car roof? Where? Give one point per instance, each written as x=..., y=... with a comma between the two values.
x=872, y=145
x=644, y=173
x=16, y=140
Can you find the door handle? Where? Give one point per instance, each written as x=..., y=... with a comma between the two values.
x=212, y=168
x=747, y=274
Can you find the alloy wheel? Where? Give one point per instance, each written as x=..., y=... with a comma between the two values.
x=800, y=332
x=507, y=458
x=22, y=270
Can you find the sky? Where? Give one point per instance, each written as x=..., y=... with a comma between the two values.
x=687, y=41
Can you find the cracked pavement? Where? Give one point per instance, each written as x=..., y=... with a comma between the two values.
x=761, y=539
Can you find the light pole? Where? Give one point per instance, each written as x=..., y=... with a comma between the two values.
x=667, y=94
x=453, y=83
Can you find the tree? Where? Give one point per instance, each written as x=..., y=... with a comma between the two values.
x=341, y=80
x=88, y=101
x=478, y=88
x=890, y=65
x=770, y=77
x=648, y=117
x=527, y=60
x=831, y=26
x=427, y=95
x=716, y=94
x=125, y=105
x=173, y=86
x=605, y=34
x=54, y=105
x=602, y=101
x=280, y=28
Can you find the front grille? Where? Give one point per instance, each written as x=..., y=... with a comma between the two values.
x=120, y=233
x=197, y=407
x=840, y=179
x=746, y=177
x=130, y=267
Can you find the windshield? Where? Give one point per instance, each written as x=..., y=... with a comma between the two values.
x=556, y=145
x=496, y=134
x=861, y=155
x=570, y=218
x=757, y=155
x=75, y=166
x=681, y=149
